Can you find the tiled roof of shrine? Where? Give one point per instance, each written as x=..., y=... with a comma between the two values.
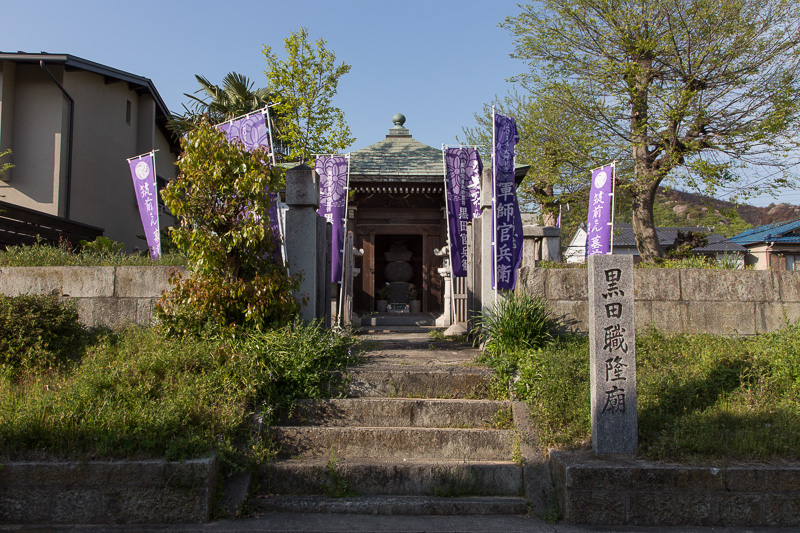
x=400, y=157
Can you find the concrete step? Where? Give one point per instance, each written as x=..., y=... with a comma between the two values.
x=393, y=443
x=398, y=478
x=411, y=381
x=399, y=412
x=399, y=319
x=393, y=505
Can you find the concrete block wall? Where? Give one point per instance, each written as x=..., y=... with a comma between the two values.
x=728, y=302
x=108, y=492
x=598, y=491
x=105, y=296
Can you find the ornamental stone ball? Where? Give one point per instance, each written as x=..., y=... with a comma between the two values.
x=399, y=119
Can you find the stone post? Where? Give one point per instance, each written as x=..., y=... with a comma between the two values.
x=446, y=319
x=302, y=235
x=487, y=296
x=612, y=354
x=541, y=243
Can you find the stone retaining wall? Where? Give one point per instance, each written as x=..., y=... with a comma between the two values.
x=108, y=492
x=727, y=302
x=105, y=296
x=621, y=491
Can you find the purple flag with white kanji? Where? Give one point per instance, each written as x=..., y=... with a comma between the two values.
x=332, y=172
x=598, y=223
x=507, y=221
x=143, y=173
x=251, y=130
x=463, y=185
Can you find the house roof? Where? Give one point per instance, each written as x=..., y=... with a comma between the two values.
x=624, y=238
x=139, y=84
x=777, y=232
x=400, y=157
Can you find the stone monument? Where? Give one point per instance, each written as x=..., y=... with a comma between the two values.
x=612, y=353
x=398, y=273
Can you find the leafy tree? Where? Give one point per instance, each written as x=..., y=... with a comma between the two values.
x=701, y=87
x=307, y=81
x=234, y=280
x=560, y=147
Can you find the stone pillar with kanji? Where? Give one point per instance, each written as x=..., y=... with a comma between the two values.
x=612, y=354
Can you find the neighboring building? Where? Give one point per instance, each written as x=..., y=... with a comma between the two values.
x=718, y=247
x=772, y=246
x=71, y=124
x=398, y=203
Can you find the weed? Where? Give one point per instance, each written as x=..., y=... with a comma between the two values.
x=503, y=419
x=335, y=486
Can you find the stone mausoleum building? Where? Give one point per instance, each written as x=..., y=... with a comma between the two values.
x=397, y=214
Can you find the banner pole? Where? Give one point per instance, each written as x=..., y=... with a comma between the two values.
x=613, y=204
x=344, y=242
x=494, y=203
x=449, y=238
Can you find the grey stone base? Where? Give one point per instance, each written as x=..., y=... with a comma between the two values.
x=108, y=492
x=618, y=491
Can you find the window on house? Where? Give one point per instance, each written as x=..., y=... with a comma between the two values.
x=792, y=261
x=128, y=112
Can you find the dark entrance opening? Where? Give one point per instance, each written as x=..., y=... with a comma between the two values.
x=412, y=243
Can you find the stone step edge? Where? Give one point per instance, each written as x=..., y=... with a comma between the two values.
x=396, y=413
x=365, y=477
x=395, y=505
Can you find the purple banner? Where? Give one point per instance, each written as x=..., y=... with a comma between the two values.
x=507, y=221
x=143, y=173
x=332, y=172
x=598, y=224
x=250, y=130
x=463, y=185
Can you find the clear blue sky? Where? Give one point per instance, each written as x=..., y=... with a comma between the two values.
x=435, y=61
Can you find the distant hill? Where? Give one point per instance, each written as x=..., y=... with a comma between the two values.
x=684, y=208
x=679, y=208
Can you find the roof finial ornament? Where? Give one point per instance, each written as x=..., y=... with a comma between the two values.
x=399, y=119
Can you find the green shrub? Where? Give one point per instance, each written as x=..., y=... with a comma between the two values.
x=102, y=247
x=221, y=197
x=38, y=332
x=43, y=254
x=515, y=321
x=137, y=394
x=700, y=397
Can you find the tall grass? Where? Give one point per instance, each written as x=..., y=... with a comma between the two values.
x=700, y=397
x=40, y=254
x=138, y=394
x=514, y=322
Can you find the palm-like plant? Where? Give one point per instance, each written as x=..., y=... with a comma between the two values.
x=236, y=96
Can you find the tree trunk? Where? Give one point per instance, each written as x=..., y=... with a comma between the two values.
x=644, y=227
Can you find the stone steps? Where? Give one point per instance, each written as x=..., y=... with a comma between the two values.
x=418, y=435
x=393, y=443
x=410, y=413
x=394, y=478
x=408, y=380
x=393, y=505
